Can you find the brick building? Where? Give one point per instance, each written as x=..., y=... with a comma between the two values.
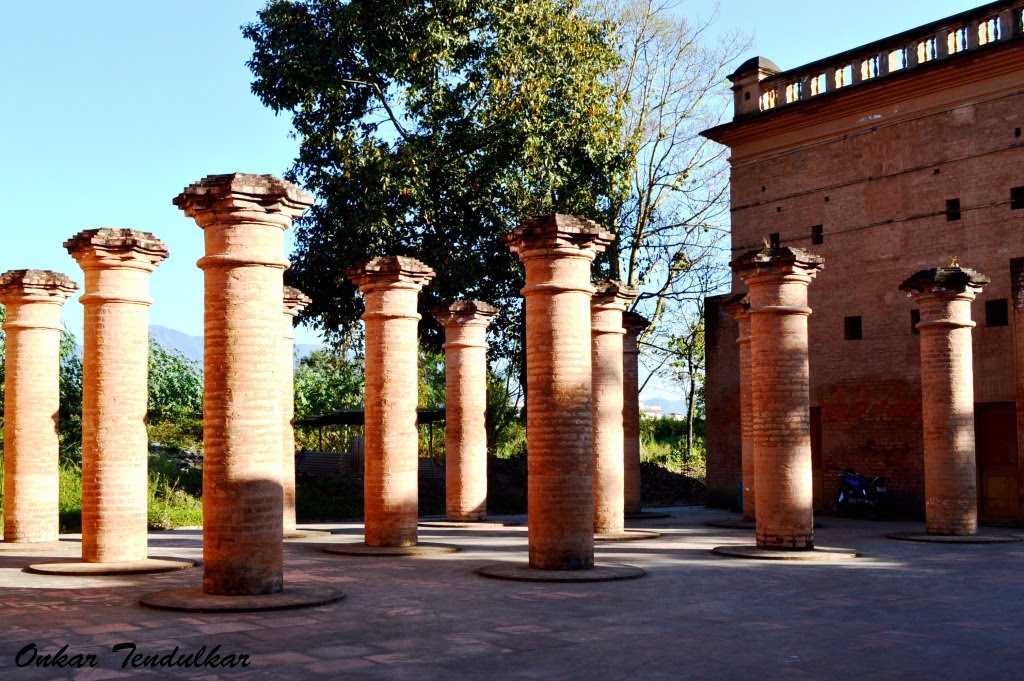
x=886, y=159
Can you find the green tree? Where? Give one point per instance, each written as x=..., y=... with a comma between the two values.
x=175, y=385
x=328, y=380
x=431, y=128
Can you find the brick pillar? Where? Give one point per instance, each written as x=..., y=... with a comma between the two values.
x=607, y=363
x=944, y=296
x=33, y=301
x=1017, y=287
x=465, y=430
x=295, y=301
x=391, y=287
x=634, y=325
x=243, y=218
x=777, y=280
x=739, y=308
x=115, y=365
x=557, y=252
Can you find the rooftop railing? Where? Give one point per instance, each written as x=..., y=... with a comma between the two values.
x=984, y=26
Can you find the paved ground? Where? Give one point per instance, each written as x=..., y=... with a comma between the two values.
x=902, y=611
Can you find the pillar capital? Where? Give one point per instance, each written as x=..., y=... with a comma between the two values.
x=952, y=281
x=634, y=324
x=390, y=271
x=465, y=313
x=777, y=263
x=35, y=286
x=738, y=307
x=243, y=198
x=612, y=295
x=558, y=235
x=295, y=301
x=116, y=247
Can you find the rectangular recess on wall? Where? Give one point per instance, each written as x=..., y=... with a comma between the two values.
x=853, y=328
x=915, y=319
x=1017, y=198
x=952, y=210
x=997, y=312
x=818, y=234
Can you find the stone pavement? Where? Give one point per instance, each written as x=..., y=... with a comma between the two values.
x=902, y=611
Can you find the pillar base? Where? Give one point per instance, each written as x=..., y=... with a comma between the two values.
x=460, y=524
x=741, y=524
x=818, y=554
x=195, y=600
x=955, y=538
x=626, y=535
x=365, y=550
x=647, y=515
x=36, y=546
x=147, y=566
x=522, y=572
x=306, y=534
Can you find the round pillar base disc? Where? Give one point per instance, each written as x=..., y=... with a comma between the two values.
x=647, y=515
x=522, y=572
x=306, y=534
x=37, y=546
x=460, y=524
x=626, y=535
x=732, y=524
x=145, y=566
x=194, y=600
x=365, y=550
x=955, y=539
x=819, y=554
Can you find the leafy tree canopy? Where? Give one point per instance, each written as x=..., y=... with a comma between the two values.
x=430, y=128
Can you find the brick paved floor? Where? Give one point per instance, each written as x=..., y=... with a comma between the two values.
x=903, y=611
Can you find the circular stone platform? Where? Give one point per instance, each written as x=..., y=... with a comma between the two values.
x=647, y=515
x=306, y=534
x=740, y=524
x=361, y=549
x=955, y=539
x=131, y=567
x=194, y=600
x=460, y=524
x=35, y=546
x=820, y=554
x=521, y=572
x=626, y=535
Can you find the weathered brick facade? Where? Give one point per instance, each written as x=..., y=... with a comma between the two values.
x=885, y=160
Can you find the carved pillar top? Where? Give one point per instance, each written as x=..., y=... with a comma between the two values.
x=116, y=247
x=465, y=313
x=738, y=307
x=634, y=324
x=390, y=271
x=611, y=298
x=777, y=278
x=945, y=295
x=558, y=234
x=35, y=286
x=242, y=197
x=295, y=301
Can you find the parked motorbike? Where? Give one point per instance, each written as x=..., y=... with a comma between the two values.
x=861, y=495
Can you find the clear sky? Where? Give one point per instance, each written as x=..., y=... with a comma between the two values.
x=108, y=109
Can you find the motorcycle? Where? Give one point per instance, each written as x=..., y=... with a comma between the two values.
x=861, y=495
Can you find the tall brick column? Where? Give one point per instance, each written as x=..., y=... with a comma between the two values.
x=115, y=361
x=739, y=307
x=557, y=252
x=607, y=363
x=33, y=300
x=777, y=280
x=391, y=287
x=634, y=325
x=295, y=301
x=465, y=431
x=944, y=295
x=243, y=218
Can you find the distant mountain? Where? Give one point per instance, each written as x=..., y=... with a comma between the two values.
x=666, y=405
x=192, y=346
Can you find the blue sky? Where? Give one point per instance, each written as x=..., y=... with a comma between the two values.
x=107, y=109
